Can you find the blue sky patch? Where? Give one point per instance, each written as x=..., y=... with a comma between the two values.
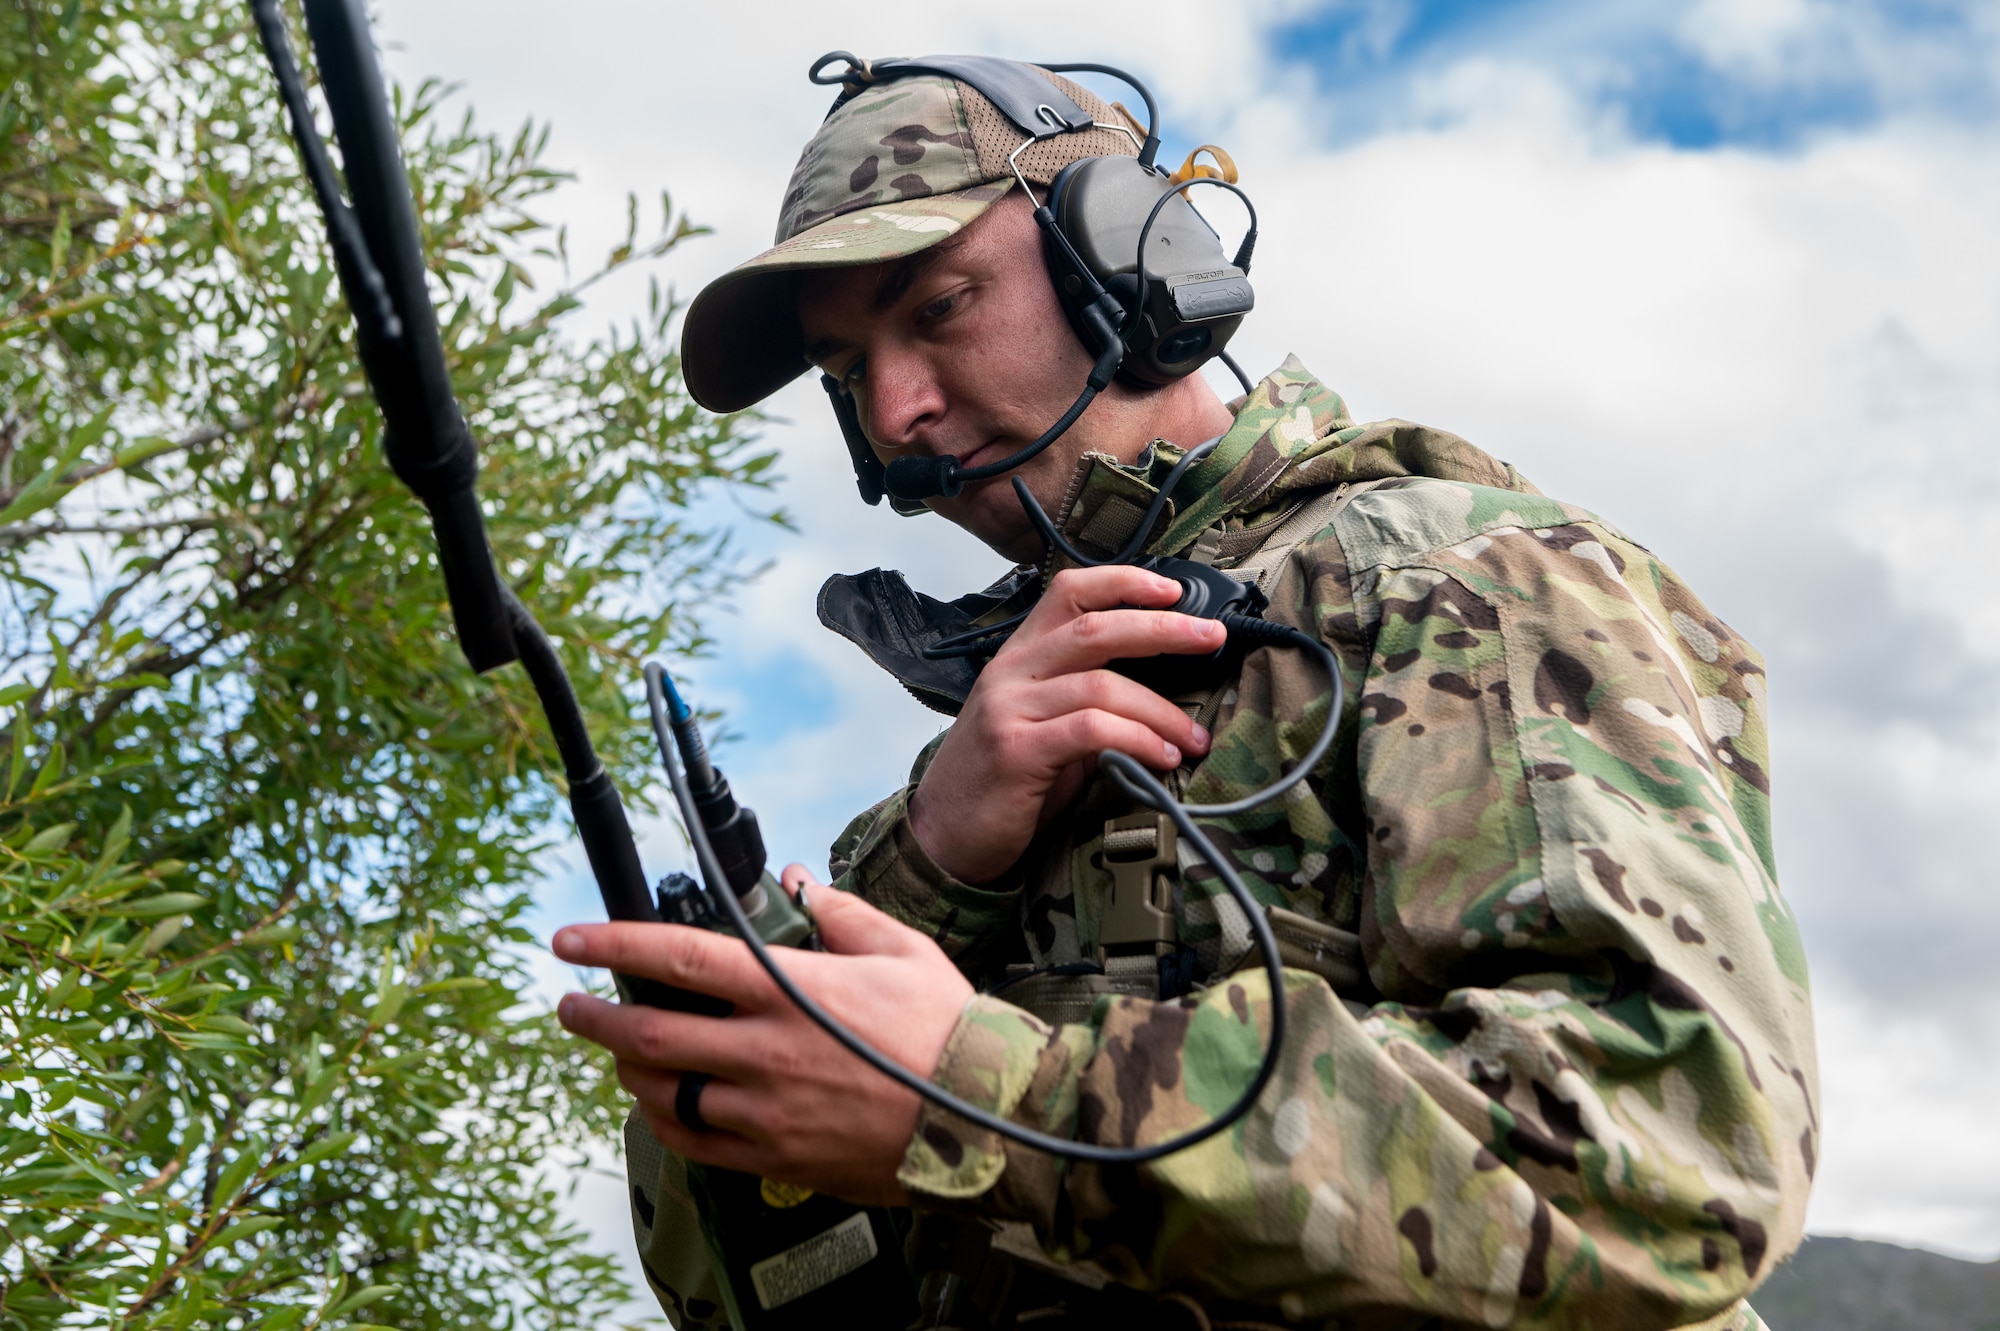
x=767, y=700
x=1671, y=96
x=1842, y=66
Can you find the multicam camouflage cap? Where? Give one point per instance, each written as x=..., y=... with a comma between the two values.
x=894, y=170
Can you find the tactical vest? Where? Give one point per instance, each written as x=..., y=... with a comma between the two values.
x=988, y=1275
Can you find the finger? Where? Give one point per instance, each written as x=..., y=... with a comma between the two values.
x=1079, y=735
x=725, y=1150
x=797, y=878
x=725, y=1106
x=674, y=1040
x=1089, y=641
x=1077, y=591
x=850, y=926
x=1107, y=691
x=1068, y=785
x=686, y=958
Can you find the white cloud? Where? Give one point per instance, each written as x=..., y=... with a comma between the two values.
x=1917, y=1165
x=1778, y=370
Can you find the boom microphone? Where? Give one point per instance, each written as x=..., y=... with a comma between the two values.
x=914, y=480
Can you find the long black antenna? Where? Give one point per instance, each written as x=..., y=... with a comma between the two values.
x=378, y=251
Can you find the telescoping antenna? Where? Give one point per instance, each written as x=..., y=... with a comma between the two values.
x=379, y=255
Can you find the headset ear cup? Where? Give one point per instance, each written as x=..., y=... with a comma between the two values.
x=869, y=473
x=1071, y=286
x=1192, y=296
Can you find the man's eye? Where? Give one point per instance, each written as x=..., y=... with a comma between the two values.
x=937, y=309
x=853, y=374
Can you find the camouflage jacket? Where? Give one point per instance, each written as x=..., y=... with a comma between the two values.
x=1567, y=1081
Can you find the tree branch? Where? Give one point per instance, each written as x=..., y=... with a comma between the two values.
x=46, y=221
x=310, y=400
x=21, y=533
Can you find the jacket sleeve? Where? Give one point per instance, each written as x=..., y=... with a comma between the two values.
x=1587, y=1096
x=879, y=859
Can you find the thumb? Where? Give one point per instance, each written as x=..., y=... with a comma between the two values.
x=849, y=925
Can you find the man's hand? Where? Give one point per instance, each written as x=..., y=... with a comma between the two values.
x=787, y=1102
x=1043, y=709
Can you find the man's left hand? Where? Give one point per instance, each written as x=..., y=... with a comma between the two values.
x=786, y=1102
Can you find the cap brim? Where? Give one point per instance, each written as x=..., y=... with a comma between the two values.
x=740, y=342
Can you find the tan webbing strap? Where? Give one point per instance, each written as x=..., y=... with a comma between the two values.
x=1333, y=954
x=1305, y=522
x=1068, y=999
x=1304, y=944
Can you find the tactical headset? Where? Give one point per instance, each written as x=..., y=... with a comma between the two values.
x=1141, y=275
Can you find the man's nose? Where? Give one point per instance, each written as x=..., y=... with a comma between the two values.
x=905, y=399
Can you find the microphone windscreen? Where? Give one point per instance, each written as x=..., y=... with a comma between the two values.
x=914, y=480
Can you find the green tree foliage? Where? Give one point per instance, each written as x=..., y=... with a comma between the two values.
x=265, y=841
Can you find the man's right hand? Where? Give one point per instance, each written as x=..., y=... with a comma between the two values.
x=1045, y=706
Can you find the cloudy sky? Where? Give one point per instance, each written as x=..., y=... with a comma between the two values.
x=1724, y=271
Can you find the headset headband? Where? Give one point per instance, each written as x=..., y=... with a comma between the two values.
x=1018, y=90
x=1014, y=88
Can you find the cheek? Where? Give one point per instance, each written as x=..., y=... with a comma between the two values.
x=1029, y=329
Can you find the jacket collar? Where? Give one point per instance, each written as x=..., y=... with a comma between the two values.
x=1284, y=419
x=1292, y=436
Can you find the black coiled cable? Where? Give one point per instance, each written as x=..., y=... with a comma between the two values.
x=1142, y=787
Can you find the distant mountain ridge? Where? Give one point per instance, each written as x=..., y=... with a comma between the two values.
x=1836, y=1284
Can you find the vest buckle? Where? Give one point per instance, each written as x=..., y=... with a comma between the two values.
x=1141, y=852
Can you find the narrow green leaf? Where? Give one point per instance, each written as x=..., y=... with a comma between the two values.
x=388, y=1005
x=60, y=995
x=140, y=449
x=83, y=437
x=455, y=984
x=53, y=769
x=334, y=1143
x=244, y=1229
x=59, y=243
x=320, y=1088
x=233, y=1176
x=48, y=839
x=115, y=842
x=18, y=760
x=361, y=1298
x=48, y=486
x=88, y=301
x=230, y=1044
x=33, y=498
x=272, y=934
x=161, y=934
x=166, y=903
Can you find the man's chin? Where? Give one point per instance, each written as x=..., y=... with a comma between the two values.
x=989, y=511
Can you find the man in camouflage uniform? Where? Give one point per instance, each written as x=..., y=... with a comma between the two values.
x=1550, y=1058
